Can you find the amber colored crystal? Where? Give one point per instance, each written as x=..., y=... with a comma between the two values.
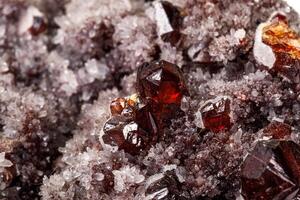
x=173, y=37
x=282, y=38
x=124, y=106
x=271, y=171
x=117, y=106
x=285, y=43
x=39, y=26
x=278, y=130
x=161, y=82
x=216, y=115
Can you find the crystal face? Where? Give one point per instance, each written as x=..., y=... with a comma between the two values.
x=216, y=114
x=169, y=20
x=277, y=47
x=165, y=186
x=272, y=171
x=161, y=82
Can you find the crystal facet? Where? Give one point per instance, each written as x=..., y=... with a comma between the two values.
x=169, y=20
x=137, y=120
x=216, y=114
x=271, y=171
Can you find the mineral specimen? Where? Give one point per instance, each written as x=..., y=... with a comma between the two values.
x=216, y=114
x=56, y=88
x=272, y=171
x=277, y=47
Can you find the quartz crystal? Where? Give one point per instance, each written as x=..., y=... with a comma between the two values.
x=271, y=171
x=216, y=114
x=277, y=47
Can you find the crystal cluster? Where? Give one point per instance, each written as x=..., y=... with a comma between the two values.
x=138, y=121
x=272, y=171
x=280, y=49
x=63, y=61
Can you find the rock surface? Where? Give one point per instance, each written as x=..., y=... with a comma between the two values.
x=62, y=62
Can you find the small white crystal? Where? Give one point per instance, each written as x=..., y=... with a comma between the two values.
x=4, y=162
x=262, y=52
x=162, y=19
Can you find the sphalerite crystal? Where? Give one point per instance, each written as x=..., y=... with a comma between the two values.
x=165, y=186
x=38, y=26
x=278, y=130
x=169, y=20
x=277, y=47
x=271, y=171
x=132, y=126
x=137, y=121
x=161, y=82
x=215, y=114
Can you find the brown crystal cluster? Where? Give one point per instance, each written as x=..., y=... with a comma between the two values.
x=285, y=44
x=138, y=121
x=272, y=169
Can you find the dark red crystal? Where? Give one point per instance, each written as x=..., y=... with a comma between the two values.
x=38, y=26
x=216, y=115
x=278, y=130
x=271, y=171
x=131, y=133
x=137, y=120
x=161, y=82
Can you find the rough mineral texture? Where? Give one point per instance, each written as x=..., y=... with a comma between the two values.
x=62, y=63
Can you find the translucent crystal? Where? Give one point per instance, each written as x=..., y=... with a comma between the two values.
x=271, y=171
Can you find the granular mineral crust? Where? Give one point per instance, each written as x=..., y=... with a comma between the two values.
x=149, y=99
